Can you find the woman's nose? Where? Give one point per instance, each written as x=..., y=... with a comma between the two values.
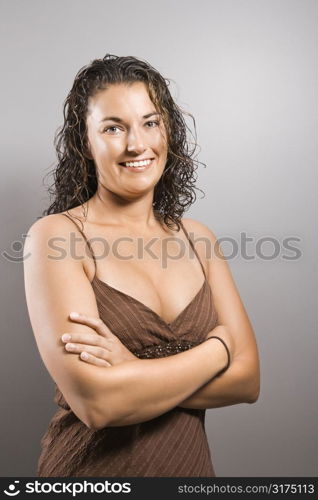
x=135, y=142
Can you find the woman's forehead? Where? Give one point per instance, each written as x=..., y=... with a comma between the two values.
x=120, y=99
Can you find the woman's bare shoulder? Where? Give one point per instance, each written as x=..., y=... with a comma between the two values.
x=204, y=239
x=55, y=223
x=198, y=229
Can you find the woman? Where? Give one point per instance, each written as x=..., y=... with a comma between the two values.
x=133, y=372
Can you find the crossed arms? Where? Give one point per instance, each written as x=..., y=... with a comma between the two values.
x=135, y=390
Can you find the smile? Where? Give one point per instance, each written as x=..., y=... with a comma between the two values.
x=137, y=165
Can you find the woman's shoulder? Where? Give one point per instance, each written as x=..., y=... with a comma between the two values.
x=51, y=236
x=52, y=225
x=198, y=229
x=204, y=239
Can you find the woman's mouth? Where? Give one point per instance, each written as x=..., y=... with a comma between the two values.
x=137, y=166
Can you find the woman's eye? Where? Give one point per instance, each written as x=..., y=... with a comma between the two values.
x=110, y=128
x=153, y=122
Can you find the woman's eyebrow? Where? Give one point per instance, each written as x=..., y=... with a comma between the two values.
x=119, y=120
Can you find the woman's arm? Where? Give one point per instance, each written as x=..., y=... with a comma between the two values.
x=232, y=387
x=136, y=391
x=131, y=392
x=241, y=382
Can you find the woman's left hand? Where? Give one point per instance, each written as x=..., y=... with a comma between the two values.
x=103, y=349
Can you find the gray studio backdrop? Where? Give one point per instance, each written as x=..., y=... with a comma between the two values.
x=247, y=70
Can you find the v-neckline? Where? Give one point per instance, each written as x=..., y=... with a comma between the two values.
x=154, y=313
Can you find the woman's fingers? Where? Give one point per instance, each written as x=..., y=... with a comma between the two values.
x=114, y=350
x=90, y=350
x=96, y=323
x=85, y=338
x=90, y=358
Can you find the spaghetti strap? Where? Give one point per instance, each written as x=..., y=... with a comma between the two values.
x=193, y=247
x=87, y=242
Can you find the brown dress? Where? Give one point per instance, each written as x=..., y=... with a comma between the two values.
x=171, y=445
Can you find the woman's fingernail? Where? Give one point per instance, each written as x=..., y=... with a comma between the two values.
x=66, y=337
x=74, y=314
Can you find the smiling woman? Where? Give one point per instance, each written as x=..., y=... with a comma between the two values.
x=85, y=111
x=133, y=373
x=135, y=145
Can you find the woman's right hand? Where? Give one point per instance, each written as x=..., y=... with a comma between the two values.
x=102, y=349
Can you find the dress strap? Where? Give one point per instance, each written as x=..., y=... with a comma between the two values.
x=87, y=242
x=193, y=247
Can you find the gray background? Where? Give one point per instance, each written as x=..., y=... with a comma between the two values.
x=247, y=70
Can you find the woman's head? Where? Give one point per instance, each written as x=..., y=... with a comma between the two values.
x=124, y=127
x=77, y=173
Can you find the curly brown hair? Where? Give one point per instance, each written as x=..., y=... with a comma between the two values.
x=75, y=179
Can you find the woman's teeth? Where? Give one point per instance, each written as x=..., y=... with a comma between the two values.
x=137, y=164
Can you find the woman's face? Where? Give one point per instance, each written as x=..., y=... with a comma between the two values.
x=124, y=126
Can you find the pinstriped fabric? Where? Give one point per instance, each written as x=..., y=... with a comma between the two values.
x=171, y=445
